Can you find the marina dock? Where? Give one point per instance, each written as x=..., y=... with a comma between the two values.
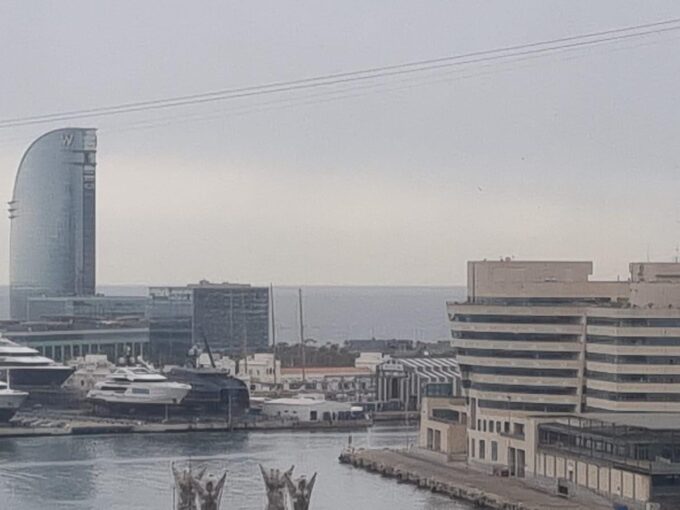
x=458, y=481
x=64, y=425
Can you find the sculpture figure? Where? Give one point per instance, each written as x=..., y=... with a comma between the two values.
x=275, y=483
x=184, y=481
x=209, y=495
x=300, y=491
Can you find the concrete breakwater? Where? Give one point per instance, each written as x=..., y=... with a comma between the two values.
x=460, y=482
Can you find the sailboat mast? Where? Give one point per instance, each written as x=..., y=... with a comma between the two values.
x=271, y=308
x=302, y=337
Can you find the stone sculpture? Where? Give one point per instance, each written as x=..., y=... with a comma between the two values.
x=184, y=482
x=210, y=493
x=299, y=491
x=275, y=483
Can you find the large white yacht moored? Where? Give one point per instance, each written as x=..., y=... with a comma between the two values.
x=137, y=387
x=10, y=402
x=27, y=368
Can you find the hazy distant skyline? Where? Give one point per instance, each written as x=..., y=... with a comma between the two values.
x=571, y=156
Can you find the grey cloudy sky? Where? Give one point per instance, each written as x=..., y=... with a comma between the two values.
x=569, y=156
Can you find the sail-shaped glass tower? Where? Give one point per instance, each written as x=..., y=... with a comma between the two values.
x=52, y=214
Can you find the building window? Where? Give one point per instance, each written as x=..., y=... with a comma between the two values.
x=479, y=424
x=482, y=448
x=484, y=425
x=491, y=426
x=506, y=427
x=494, y=451
x=472, y=448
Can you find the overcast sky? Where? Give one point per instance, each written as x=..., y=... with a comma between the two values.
x=575, y=155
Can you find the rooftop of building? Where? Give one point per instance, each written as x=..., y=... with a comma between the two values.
x=206, y=284
x=304, y=402
x=96, y=297
x=621, y=427
x=649, y=421
x=72, y=324
x=559, y=283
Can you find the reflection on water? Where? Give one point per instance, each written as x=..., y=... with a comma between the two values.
x=129, y=472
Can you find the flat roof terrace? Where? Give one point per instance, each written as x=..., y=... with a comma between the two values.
x=647, y=443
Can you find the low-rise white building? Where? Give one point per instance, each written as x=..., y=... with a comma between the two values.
x=307, y=410
x=336, y=383
x=259, y=371
x=262, y=369
x=370, y=360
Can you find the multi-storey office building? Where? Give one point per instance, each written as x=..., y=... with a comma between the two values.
x=52, y=213
x=233, y=318
x=541, y=338
x=86, y=307
x=169, y=313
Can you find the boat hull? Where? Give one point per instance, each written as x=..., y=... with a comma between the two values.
x=130, y=410
x=213, y=392
x=10, y=402
x=40, y=377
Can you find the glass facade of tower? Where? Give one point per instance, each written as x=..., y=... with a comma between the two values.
x=52, y=213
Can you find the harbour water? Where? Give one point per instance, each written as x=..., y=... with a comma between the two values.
x=132, y=471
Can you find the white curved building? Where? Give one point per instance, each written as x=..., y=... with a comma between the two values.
x=52, y=213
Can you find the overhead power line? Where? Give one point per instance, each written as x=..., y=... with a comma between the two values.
x=536, y=48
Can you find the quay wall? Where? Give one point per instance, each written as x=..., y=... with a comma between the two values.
x=458, y=481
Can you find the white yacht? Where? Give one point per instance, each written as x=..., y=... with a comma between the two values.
x=27, y=368
x=137, y=387
x=10, y=401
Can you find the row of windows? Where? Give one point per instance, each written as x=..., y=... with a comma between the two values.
x=660, y=322
x=518, y=388
x=526, y=406
x=633, y=340
x=439, y=390
x=481, y=453
x=514, y=337
x=495, y=426
x=548, y=437
x=448, y=415
x=634, y=323
x=623, y=359
x=491, y=425
x=500, y=353
x=518, y=319
x=633, y=397
x=522, y=372
x=634, y=378
x=539, y=301
x=623, y=449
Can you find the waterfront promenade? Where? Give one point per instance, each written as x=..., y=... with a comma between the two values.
x=457, y=480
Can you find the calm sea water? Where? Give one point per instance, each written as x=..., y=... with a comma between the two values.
x=337, y=313
x=132, y=472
